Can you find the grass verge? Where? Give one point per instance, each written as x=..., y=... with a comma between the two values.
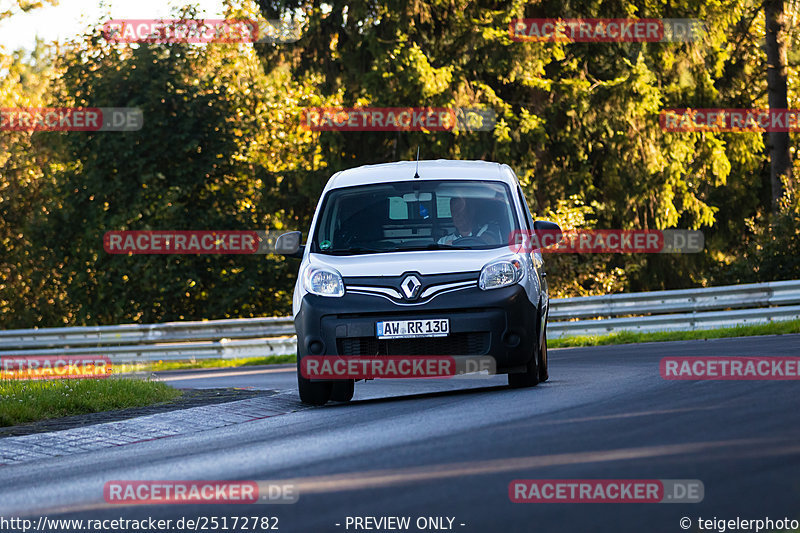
x=629, y=337
x=31, y=400
x=156, y=366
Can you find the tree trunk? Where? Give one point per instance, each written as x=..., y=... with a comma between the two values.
x=780, y=160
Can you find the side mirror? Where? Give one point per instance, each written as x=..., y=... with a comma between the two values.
x=551, y=230
x=288, y=244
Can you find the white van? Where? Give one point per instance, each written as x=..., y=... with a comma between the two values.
x=425, y=243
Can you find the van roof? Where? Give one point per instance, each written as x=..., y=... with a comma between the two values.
x=438, y=169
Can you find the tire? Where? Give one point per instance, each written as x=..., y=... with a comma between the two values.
x=530, y=377
x=313, y=392
x=543, y=376
x=342, y=391
x=536, y=369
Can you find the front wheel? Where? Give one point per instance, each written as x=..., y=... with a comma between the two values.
x=313, y=392
x=342, y=391
x=530, y=377
x=543, y=358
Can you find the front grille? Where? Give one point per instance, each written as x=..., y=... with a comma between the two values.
x=471, y=343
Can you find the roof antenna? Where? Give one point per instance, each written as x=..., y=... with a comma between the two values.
x=416, y=172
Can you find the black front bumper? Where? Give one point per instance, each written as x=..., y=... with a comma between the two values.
x=501, y=323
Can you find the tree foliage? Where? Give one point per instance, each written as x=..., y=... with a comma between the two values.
x=222, y=148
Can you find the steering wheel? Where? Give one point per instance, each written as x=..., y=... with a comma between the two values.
x=469, y=240
x=346, y=239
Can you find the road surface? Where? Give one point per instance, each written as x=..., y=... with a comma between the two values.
x=450, y=448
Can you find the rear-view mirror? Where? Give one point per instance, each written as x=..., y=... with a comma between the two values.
x=288, y=243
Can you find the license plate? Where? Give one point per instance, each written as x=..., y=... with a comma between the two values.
x=406, y=329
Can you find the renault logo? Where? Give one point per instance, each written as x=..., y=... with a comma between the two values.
x=411, y=286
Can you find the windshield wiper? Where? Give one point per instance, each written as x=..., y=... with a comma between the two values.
x=355, y=250
x=432, y=246
x=366, y=250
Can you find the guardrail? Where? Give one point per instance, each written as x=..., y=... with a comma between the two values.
x=210, y=339
x=677, y=310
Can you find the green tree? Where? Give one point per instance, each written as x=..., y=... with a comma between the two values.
x=215, y=131
x=573, y=118
x=26, y=166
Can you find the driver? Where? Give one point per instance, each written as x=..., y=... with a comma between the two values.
x=466, y=225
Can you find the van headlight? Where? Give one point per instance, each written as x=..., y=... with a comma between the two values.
x=323, y=282
x=500, y=274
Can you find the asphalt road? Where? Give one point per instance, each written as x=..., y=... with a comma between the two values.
x=450, y=448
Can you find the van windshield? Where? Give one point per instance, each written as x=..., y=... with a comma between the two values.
x=415, y=215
